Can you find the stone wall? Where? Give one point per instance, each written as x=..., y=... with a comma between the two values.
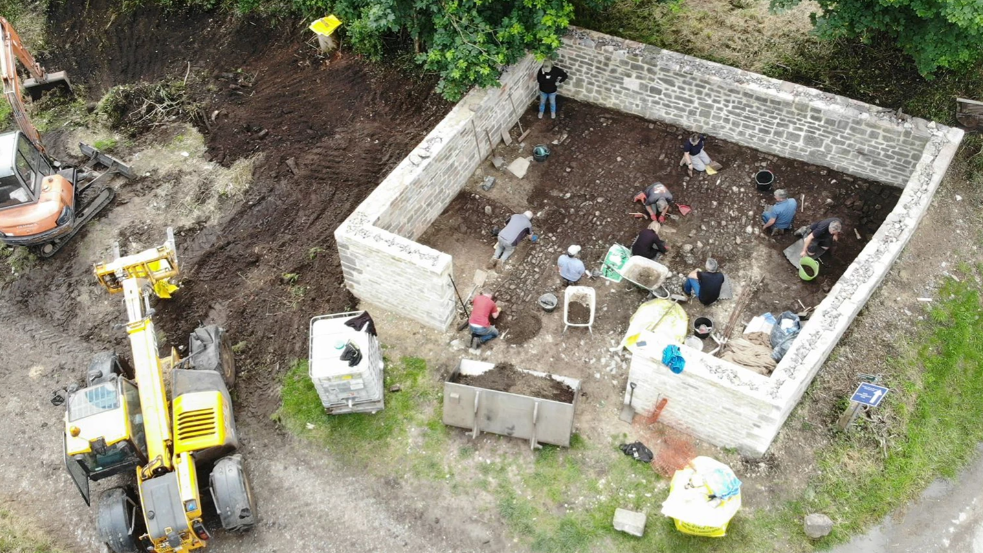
x=730, y=406
x=381, y=262
x=773, y=116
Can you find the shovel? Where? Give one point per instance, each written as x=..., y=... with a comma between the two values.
x=628, y=411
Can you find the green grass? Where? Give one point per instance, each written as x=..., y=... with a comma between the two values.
x=105, y=144
x=937, y=399
x=16, y=536
x=407, y=435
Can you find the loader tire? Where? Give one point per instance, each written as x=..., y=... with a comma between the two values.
x=119, y=520
x=211, y=350
x=231, y=494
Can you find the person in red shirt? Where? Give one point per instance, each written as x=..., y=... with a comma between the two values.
x=483, y=311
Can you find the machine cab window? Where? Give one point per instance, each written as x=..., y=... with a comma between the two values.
x=21, y=185
x=85, y=408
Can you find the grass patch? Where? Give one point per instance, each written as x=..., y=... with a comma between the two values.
x=937, y=399
x=16, y=536
x=105, y=144
x=407, y=434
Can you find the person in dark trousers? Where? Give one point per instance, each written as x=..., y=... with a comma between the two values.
x=648, y=244
x=695, y=154
x=548, y=77
x=819, y=237
x=705, y=284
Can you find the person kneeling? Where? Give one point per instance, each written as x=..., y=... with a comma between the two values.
x=483, y=310
x=705, y=284
x=571, y=268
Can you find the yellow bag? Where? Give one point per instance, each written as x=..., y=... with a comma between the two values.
x=689, y=503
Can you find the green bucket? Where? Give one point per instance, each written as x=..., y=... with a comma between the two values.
x=808, y=268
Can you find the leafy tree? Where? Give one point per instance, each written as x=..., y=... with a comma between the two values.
x=936, y=33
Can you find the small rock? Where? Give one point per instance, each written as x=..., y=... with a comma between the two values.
x=959, y=198
x=738, y=240
x=498, y=162
x=488, y=210
x=687, y=248
x=630, y=522
x=817, y=526
x=748, y=230
x=699, y=245
x=395, y=388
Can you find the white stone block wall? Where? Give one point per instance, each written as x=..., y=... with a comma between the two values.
x=381, y=262
x=773, y=116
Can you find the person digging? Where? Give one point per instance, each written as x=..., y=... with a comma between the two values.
x=819, y=237
x=518, y=227
x=571, y=268
x=781, y=216
x=695, y=155
x=483, y=310
x=656, y=199
x=648, y=244
x=705, y=284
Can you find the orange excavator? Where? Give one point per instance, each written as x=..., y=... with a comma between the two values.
x=43, y=204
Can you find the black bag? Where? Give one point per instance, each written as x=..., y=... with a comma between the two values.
x=638, y=451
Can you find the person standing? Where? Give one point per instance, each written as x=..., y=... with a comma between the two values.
x=705, y=284
x=549, y=76
x=694, y=154
x=819, y=237
x=483, y=310
x=571, y=267
x=518, y=227
x=648, y=244
x=781, y=216
x=655, y=195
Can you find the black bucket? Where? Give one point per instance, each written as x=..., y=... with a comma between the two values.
x=764, y=179
x=702, y=322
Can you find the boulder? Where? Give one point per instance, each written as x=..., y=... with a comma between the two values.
x=817, y=526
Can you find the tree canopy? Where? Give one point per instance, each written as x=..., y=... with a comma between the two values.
x=936, y=33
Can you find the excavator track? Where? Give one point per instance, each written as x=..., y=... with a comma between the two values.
x=88, y=212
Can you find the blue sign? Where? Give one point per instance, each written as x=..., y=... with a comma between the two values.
x=869, y=394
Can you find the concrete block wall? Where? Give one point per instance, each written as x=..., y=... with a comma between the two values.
x=381, y=261
x=713, y=400
x=773, y=116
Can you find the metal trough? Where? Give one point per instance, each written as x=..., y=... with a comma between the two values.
x=530, y=418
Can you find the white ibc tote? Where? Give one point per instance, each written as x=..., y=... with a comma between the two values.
x=343, y=387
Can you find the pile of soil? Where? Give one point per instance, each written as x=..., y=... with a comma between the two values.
x=578, y=313
x=647, y=277
x=522, y=326
x=505, y=378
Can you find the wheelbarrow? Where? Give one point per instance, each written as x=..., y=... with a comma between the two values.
x=646, y=274
x=584, y=295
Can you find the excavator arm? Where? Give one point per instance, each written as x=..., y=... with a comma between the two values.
x=13, y=50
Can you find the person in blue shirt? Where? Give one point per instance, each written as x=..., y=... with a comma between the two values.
x=571, y=268
x=780, y=217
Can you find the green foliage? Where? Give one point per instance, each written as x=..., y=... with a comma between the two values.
x=105, y=144
x=937, y=34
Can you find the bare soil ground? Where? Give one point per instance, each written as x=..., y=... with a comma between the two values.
x=582, y=195
x=504, y=377
x=343, y=124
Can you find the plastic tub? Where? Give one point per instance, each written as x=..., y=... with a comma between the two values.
x=763, y=179
x=548, y=302
x=701, y=322
x=540, y=152
x=808, y=268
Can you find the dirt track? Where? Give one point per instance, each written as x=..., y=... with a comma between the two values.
x=344, y=126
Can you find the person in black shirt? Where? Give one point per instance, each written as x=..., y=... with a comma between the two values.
x=548, y=77
x=705, y=284
x=819, y=237
x=648, y=244
x=694, y=154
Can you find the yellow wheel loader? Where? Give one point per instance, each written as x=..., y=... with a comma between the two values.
x=164, y=424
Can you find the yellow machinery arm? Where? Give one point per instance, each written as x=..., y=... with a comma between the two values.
x=137, y=277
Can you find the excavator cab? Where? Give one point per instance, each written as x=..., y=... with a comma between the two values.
x=22, y=168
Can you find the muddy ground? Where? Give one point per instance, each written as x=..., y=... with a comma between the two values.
x=582, y=195
x=344, y=124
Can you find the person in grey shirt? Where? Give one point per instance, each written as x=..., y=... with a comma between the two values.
x=571, y=268
x=518, y=227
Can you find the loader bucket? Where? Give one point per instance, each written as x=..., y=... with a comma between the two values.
x=54, y=81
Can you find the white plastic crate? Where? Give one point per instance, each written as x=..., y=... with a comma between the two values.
x=345, y=389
